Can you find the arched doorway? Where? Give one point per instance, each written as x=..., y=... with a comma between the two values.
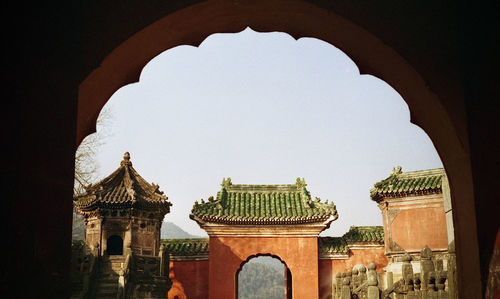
x=299, y=19
x=115, y=245
x=264, y=276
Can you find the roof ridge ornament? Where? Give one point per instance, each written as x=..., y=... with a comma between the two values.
x=126, y=160
x=397, y=170
x=301, y=183
x=226, y=182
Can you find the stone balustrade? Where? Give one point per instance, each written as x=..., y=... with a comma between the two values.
x=364, y=282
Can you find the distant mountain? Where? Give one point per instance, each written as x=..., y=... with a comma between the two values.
x=258, y=280
x=78, y=227
x=168, y=230
x=172, y=231
x=269, y=262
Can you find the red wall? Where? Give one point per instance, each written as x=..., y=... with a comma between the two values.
x=329, y=268
x=190, y=280
x=416, y=226
x=228, y=253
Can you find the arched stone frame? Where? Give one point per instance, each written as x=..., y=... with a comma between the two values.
x=288, y=273
x=190, y=26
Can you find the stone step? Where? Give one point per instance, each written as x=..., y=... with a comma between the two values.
x=108, y=279
x=110, y=275
x=108, y=284
x=106, y=292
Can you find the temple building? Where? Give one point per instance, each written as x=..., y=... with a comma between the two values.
x=411, y=251
x=416, y=212
x=283, y=221
x=123, y=210
x=123, y=215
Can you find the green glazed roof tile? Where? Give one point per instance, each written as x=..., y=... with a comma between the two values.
x=365, y=234
x=408, y=183
x=332, y=245
x=356, y=234
x=186, y=247
x=263, y=204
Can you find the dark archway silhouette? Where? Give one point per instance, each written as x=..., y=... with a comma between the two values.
x=429, y=107
x=115, y=245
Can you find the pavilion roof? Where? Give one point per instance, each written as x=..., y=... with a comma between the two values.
x=263, y=205
x=124, y=188
x=400, y=184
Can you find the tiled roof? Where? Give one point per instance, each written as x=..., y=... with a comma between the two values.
x=263, y=204
x=193, y=248
x=408, y=183
x=356, y=234
x=124, y=188
x=332, y=245
x=187, y=247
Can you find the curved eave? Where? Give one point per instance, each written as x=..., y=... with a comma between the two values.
x=381, y=195
x=94, y=204
x=264, y=221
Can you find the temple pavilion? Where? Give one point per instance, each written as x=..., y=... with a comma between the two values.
x=123, y=210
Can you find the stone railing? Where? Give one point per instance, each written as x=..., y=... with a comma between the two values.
x=91, y=264
x=123, y=279
x=144, y=276
x=364, y=282
x=361, y=282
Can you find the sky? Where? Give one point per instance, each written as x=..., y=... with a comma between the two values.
x=262, y=108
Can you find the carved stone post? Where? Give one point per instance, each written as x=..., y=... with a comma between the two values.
x=362, y=279
x=355, y=279
x=440, y=284
x=407, y=272
x=431, y=286
x=373, y=291
x=121, y=284
x=338, y=285
x=426, y=266
x=349, y=275
x=452, y=273
x=390, y=282
x=161, y=255
x=346, y=289
x=417, y=285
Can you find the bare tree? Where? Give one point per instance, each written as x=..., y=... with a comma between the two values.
x=86, y=165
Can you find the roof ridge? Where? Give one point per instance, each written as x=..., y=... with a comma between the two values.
x=421, y=173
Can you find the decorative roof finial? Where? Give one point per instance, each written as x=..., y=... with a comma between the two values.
x=126, y=159
x=301, y=183
x=226, y=182
x=397, y=170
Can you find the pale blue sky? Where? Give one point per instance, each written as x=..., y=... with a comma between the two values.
x=263, y=108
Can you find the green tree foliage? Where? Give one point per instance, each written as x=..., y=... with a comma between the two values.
x=258, y=280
